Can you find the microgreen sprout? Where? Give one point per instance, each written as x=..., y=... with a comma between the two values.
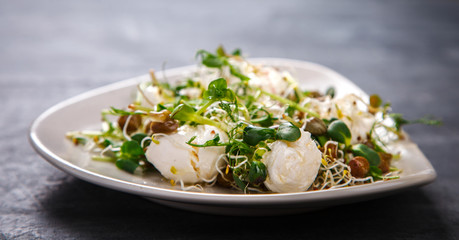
x=366, y=152
x=217, y=91
x=288, y=102
x=219, y=60
x=399, y=121
x=186, y=113
x=339, y=132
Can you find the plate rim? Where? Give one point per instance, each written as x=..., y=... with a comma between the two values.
x=312, y=197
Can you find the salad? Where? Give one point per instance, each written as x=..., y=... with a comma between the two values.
x=249, y=127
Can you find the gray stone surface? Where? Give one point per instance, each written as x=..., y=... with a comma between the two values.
x=406, y=51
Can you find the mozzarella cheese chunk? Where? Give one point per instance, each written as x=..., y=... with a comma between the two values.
x=179, y=161
x=350, y=109
x=292, y=166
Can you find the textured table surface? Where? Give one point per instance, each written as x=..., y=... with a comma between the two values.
x=406, y=51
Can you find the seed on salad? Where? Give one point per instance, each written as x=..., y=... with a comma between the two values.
x=161, y=122
x=359, y=167
x=164, y=127
x=386, y=159
x=134, y=122
x=331, y=149
x=315, y=126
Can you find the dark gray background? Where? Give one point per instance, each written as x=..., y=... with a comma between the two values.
x=406, y=51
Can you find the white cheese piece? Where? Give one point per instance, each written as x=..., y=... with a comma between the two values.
x=356, y=116
x=350, y=109
x=292, y=166
x=270, y=80
x=181, y=162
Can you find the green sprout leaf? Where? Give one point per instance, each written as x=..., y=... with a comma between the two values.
x=257, y=172
x=239, y=182
x=266, y=120
x=364, y=151
x=290, y=111
x=219, y=60
x=253, y=135
x=210, y=143
x=126, y=165
x=375, y=172
x=227, y=108
x=400, y=121
x=288, y=132
x=218, y=90
x=186, y=113
x=236, y=52
x=258, y=154
x=339, y=132
x=183, y=112
x=221, y=51
x=209, y=59
x=138, y=137
x=131, y=150
x=237, y=73
x=330, y=92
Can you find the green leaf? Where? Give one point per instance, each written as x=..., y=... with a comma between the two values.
x=253, y=135
x=375, y=172
x=131, y=150
x=127, y=165
x=265, y=121
x=288, y=132
x=258, y=154
x=218, y=90
x=330, y=92
x=398, y=120
x=364, y=151
x=236, y=52
x=238, y=147
x=138, y=137
x=107, y=143
x=221, y=51
x=339, y=132
x=209, y=59
x=227, y=108
x=290, y=111
x=212, y=62
x=322, y=139
x=239, y=182
x=183, y=112
x=257, y=173
x=237, y=73
x=209, y=143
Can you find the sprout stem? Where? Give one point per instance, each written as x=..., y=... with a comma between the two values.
x=289, y=102
x=203, y=108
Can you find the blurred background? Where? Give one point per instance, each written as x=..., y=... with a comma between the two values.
x=406, y=51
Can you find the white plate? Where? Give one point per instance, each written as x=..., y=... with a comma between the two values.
x=47, y=135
